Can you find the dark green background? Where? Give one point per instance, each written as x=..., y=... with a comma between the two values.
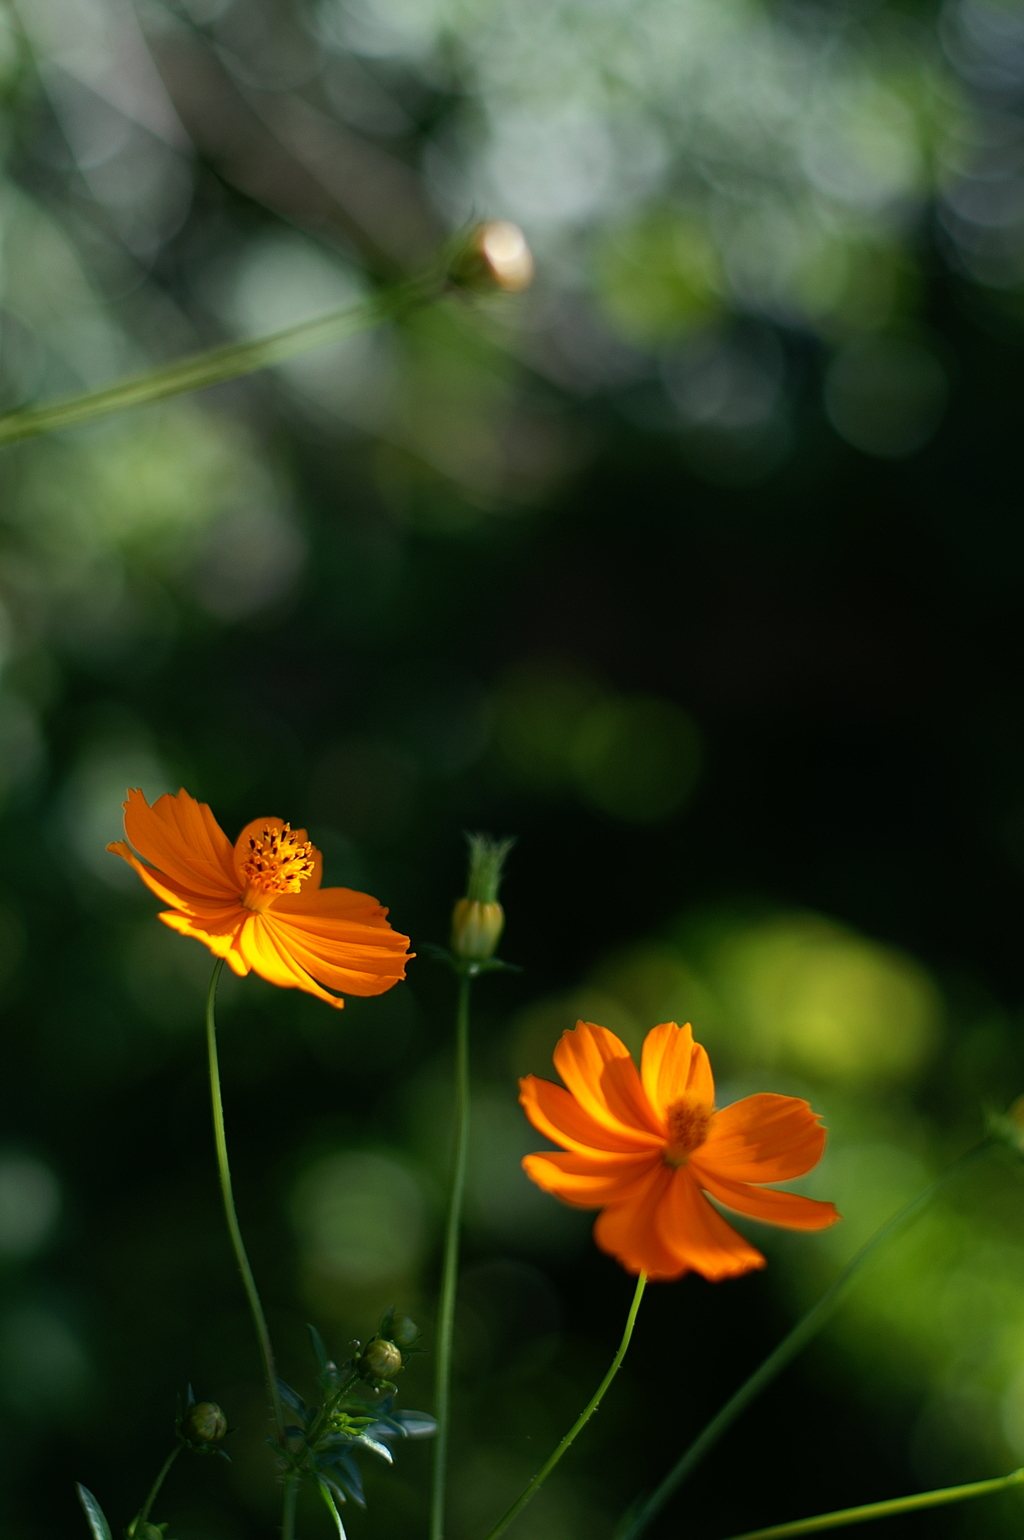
x=626, y=567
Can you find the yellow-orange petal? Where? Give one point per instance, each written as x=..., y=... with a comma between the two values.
x=672, y=1066
x=763, y=1138
x=359, y=959
x=699, y=1237
x=262, y=949
x=183, y=840
x=220, y=936
x=172, y=892
x=599, y=1071
x=766, y=1203
x=628, y=1231
x=560, y=1118
x=584, y=1182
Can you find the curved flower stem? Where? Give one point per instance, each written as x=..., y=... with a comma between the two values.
x=588, y=1411
x=259, y=1319
x=227, y=362
x=637, y=1519
x=892, y=1505
x=450, y=1265
x=144, y=1511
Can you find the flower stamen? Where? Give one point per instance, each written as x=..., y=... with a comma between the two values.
x=278, y=862
x=688, y=1123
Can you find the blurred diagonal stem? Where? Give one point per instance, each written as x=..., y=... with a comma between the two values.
x=227, y=362
x=154, y=1492
x=884, y=1510
x=637, y=1519
x=588, y=1411
x=450, y=1265
x=224, y=1168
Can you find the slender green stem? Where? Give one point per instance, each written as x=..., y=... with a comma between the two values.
x=637, y=1519
x=223, y=1166
x=144, y=1511
x=227, y=362
x=892, y=1505
x=291, y=1493
x=588, y=1411
x=450, y=1265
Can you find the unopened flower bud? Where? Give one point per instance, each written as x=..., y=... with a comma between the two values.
x=403, y=1331
x=494, y=255
x=203, y=1425
x=379, y=1360
x=476, y=930
x=148, y=1531
x=478, y=919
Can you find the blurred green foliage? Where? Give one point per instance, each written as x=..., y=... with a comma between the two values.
x=698, y=568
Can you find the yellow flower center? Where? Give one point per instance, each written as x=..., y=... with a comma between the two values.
x=688, y=1123
x=278, y=862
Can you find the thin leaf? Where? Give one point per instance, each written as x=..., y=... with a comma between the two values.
x=292, y=1399
x=416, y=1424
x=318, y=1348
x=95, y=1517
x=329, y=1500
x=377, y=1447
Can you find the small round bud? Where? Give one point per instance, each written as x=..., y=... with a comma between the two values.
x=403, y=1332
x=476, y=929
x=380, y=1359
x=494, y=255
x=148, y=1531
x=203, y=1424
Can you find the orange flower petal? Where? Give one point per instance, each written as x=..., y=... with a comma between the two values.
x=220, y=938
x=560, y=1118
x=672, y=1065
x=763, y=1138
x=262, y=949
x=168, y=890
x=360, y=959
x=599, y=1071
x=698, y=1235
x=585, y=1182
x=628, y=1232
x=183, y=840
x=767, y=1204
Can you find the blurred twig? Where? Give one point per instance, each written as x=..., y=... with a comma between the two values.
x=883, y=1510
x=226, y=362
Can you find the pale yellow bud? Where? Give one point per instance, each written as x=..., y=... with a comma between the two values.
x=476, y=929
x=495, y=255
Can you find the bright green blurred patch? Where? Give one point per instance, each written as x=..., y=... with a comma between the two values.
x=803, y=993
x=659, y=277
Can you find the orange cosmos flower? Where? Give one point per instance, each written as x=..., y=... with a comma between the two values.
x=644, y=1148
x=259, y=903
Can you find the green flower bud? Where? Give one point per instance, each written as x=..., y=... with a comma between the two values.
x=379, y=1360
x=403, y=1332
x=478, y=919
x=494, y=255
x=202, y=1426
x=148, y=1531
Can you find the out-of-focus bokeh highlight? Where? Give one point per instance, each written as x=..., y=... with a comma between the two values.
x=697, y=565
